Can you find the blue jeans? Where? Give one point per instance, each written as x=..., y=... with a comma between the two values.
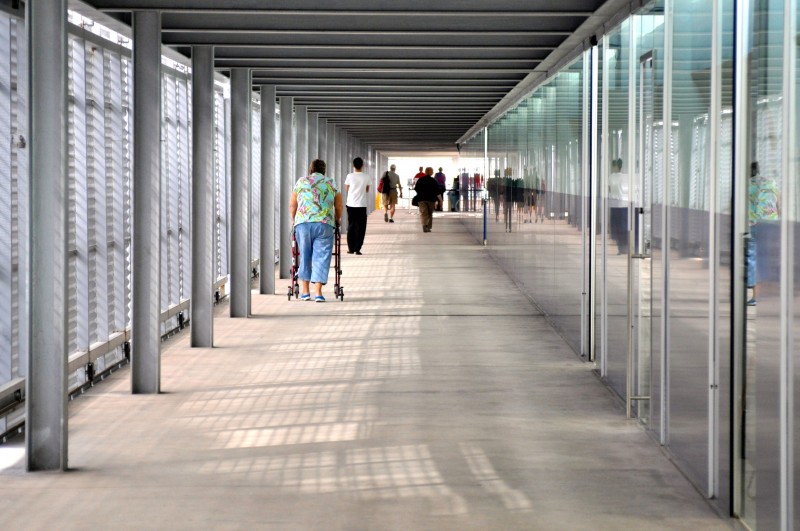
x=315, y=245
x=751, y=252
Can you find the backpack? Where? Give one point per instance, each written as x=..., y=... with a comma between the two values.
x=385, y=185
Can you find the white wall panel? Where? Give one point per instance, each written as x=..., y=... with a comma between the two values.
x=78, y=301
x=255, y=180
x=5, y=200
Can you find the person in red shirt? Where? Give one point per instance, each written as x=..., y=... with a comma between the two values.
x=420, y=174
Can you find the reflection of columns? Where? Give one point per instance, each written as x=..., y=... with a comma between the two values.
x=344, y=163
x=322, y=139
x=240, y=192
x=313, y=137
x=202, y=329
x=267, y=257
x=301, y=148
x=46, y=379
x=287, y=184
x=146, y=244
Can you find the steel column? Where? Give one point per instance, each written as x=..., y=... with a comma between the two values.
x=301, y=145
x=330, y=146
x=313, y=136
x=46, y=381
x=202, y=329
x=240, y=192
x=267, y=258
x=287, y=184
x=322, y=139
x=146, y=244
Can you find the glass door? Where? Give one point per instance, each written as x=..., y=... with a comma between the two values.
x=640, y=302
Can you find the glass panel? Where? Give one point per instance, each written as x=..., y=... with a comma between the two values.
x=725, y=228
x=795, y=217
x=617, y=165
x=761, y=438
x=689, y=236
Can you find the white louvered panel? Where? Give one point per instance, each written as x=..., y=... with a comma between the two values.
x=19, y=197
x=5, y=201
x=78, y=243
x=96, y=178
x=173, y=198
x=167, y=106
x=276, y=157
x=114, y=132
x=221, y=183
x=255, y=180
x=183, y=233
x=127, y=146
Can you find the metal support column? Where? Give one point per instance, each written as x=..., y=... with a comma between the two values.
x=202, y=329
x=46, y=381
x=240, y=192
x=322, y=139
x=146, y=244
x=330, y=147
x=301, y=147
x=313, y=136
x=267, y=258
x=287, y=184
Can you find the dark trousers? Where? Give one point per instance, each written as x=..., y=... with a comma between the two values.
x=618, y=219
x=426, y=209
x=356, y=227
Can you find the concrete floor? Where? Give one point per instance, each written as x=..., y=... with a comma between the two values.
x=434, y=397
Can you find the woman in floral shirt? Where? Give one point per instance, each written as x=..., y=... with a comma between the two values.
x=316, y=207
x=764, y=213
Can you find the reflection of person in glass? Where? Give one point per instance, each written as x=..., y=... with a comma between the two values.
x=765, y=205
x=618, y=206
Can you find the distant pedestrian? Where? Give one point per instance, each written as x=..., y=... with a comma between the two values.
x=316, y=208
x=427, y=197
x=356, y=185
x=390, y=190
x=441, y=182
x=420, y=174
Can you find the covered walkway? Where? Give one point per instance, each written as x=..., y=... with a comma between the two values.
x=436, y=396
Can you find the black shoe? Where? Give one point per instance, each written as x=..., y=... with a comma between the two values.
x=391, y=220
x=350, y=252
x=358, y=253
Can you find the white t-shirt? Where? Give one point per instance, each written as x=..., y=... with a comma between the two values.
x=618, y=190
x=357, y=194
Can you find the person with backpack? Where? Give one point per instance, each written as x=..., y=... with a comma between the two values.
x=389, y=186
x=427, y=198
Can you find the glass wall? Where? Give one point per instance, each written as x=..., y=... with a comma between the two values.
x=653, y=237
x=533, y=194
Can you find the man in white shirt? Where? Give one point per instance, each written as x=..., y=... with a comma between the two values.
x=357, y=187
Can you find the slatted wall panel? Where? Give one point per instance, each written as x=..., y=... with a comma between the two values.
x=127, y=148
x=5, y=200
x=168, y=145
x=78, y=300
x=184, y=176
x=221, y=185
x=19, y=197
x=255, y=179
x=96, y=178
x=115, y=165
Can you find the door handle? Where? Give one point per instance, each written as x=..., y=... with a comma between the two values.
x=641, y=246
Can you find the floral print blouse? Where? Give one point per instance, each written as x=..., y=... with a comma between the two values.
x=764, y=199
x=315, y=200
